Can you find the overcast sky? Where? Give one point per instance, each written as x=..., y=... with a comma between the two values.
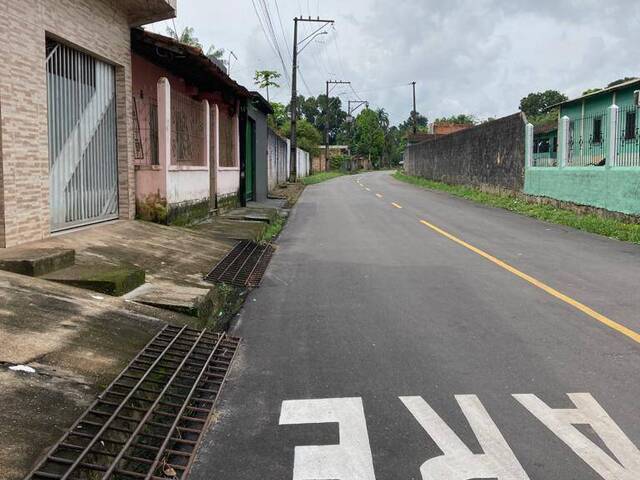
x=468, y=56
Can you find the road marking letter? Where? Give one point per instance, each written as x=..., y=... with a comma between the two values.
x=457, y=461
x=349, y=460
x=589, y=412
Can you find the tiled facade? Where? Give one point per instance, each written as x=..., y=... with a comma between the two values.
x=98, y=27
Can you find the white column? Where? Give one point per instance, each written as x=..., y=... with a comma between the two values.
x=528, y=145
x=612, y=155
x=206, y=137
x=563, y=132
x=164, y=122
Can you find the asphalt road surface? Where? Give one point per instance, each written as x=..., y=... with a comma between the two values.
x=434, y=338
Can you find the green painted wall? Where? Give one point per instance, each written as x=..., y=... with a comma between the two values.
x=616, y=189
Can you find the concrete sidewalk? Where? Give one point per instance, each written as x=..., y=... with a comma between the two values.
x=76, y=340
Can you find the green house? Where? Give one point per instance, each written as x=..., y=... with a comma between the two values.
x=592, y=156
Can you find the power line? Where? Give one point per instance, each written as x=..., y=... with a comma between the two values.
x=269, y=33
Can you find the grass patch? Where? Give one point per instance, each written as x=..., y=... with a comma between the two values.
x=321, y=177
x=273, y=230
x=628, y=232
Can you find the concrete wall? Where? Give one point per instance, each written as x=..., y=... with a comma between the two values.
x=98, y=27
x=278, y=159
x=616, y=189
x=491, y=154
x=262, y=174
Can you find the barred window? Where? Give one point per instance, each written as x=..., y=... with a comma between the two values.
x=630, y=125
x=227, y=140
x=597, y=130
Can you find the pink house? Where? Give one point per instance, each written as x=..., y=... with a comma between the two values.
x=186, y=132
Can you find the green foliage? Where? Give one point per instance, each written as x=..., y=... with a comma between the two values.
x=313, y=110
x=278, y=118
x=273, y=230
x=369, y=136
x=187, y=36
x=152, y=209
x=461, y=119
x=308, y=136
x=536, y=104
x=321, y=177
x=591, y=90
x=621, y=80
x=407, y=126
x=628, y=232
x=339, y=162
x=266, y=79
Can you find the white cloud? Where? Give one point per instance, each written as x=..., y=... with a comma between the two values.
x=468, y=56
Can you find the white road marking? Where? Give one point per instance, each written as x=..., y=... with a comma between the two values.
x=367, y=189
x=589, y=412
x=351, y=459
x=458, y=462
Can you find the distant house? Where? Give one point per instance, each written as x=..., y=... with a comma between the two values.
x=187, y=135
x=437, y=130
x=321, y=164
x=66, y=142
x=597, y=158
x=589, y=127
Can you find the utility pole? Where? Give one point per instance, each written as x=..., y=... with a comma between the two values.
x=413, y=113
x=351, y=119
x=294, y=86
x=326, y=120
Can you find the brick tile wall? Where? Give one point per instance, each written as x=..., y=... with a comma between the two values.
x=96, y=26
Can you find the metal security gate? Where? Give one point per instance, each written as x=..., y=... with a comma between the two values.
x=82, y=138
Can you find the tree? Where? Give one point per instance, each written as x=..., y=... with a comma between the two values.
x=309, y=138
x=278, y=118
x=266, y=79
x=187, y=36
x=421, y=121
x=369, y=139
x=216, y=54
x=313, y=110
x=536, y=104
x=461, y=119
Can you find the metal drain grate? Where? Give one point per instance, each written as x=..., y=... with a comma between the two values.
x=149, y=422
x=243, y=266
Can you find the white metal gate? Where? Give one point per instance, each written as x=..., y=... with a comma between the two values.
x=83, y=157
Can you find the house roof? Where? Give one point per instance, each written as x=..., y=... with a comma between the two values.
x=185, y=61
x=545, y=128
x=261, y=103
x=620, y=86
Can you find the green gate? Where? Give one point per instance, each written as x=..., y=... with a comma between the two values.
x=250, y=164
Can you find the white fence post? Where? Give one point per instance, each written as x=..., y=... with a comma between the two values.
x=564, y=135
x=528, y=144
x=164, y=122
x=612, y=157
x=206, y=138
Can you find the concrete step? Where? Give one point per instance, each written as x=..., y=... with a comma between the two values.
x=266, y=215
x=193, y=301
x=36, y=262
x=114, y=280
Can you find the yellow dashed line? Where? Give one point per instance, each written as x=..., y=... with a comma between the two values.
x=378, y=195
x=542, y=286
x=396, y=205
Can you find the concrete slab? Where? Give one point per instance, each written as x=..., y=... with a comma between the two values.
x=193, y=301
x=256, y=214
x=222, y=227
x=115, y=280
x=36, y=261
x=77, y=341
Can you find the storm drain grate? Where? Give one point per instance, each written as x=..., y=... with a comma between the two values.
x=149, y=422
x=244, y=266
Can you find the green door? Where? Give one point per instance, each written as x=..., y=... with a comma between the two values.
x=250, y=164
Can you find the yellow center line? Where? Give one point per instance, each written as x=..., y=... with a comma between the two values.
x=378, y=195
x=396, y=205
x=543, y=286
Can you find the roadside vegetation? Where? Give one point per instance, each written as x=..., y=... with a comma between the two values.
x=611, y=228
x=321, y=177
x=273, y=230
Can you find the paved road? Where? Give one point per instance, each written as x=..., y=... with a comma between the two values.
x=396, y=348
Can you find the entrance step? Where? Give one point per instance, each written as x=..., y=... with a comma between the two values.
x=36, y=262
x=193, y=301
x=222, y=227
x=115, y=280
x=266, y=215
